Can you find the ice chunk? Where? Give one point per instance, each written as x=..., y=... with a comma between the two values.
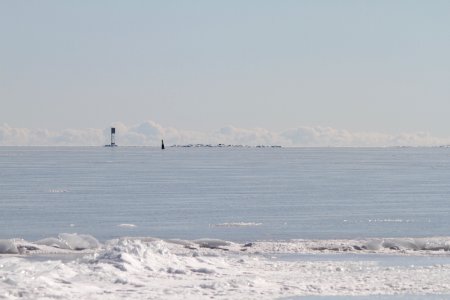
x=211, y=243
x=8, y=247
x=70, y=241
x=53, y=242
x=237, y=224
x=203, y=270
x=400, y=244
x=79, y=241
x=126, y=225
x=373, y=245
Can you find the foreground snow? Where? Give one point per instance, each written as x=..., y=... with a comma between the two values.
x=140, y=268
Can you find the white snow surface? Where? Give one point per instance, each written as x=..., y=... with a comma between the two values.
x=150, y=268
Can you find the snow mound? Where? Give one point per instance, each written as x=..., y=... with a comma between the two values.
x=149, y=268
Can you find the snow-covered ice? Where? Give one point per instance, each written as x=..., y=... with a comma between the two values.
x=137, y=268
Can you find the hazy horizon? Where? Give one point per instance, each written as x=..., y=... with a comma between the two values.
x=150, y=133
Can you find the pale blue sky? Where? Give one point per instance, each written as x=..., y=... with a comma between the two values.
x=357, y=65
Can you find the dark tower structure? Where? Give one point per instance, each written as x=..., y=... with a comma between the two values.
x=113, y=136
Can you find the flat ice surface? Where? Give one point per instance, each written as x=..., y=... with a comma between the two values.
x=189, y=193
x=234, y=223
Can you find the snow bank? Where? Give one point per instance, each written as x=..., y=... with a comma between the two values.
x=148, y=268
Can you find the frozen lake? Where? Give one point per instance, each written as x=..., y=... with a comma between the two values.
x=235, y=194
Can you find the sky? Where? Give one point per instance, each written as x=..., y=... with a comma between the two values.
x=363, y=68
